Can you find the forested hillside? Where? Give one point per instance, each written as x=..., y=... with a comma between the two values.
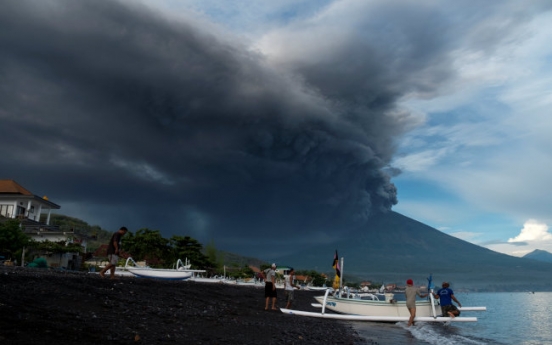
x=95, y=236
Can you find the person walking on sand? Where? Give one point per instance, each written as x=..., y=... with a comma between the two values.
x=446, y=296
x=289, y=286
x=113, y=252
x=411, y=292
x=270, y=287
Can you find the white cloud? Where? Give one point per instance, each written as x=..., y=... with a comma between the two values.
x=419, y=161
x=502, y=184
x=532, y=231
x=521, y=250
x=533, y=235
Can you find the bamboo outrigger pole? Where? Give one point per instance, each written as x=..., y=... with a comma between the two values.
x=341, y=275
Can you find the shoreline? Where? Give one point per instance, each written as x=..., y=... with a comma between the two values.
x=43, y=306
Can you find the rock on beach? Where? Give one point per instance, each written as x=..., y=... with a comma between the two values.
x=42, y=306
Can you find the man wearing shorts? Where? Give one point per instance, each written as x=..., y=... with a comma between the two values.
x=446, y=296
x=270, y=286
x=113, y=251
x=288, y=287
x=410, y=293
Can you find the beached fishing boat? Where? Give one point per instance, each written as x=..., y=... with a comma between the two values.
x=180, y=272
x=387, y=309
x=370, y=307
x=317, y=288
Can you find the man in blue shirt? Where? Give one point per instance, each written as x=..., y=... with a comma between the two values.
x=446, y=296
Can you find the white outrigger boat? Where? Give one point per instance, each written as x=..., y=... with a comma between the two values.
x=372, y=308
x=317, y=288
x=180, y=272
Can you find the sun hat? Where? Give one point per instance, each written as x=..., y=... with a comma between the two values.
x=274, y=265
x=409, y=282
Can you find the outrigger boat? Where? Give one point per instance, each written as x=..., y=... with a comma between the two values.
x=316, y=288
x=372, y=308
x=180, y=272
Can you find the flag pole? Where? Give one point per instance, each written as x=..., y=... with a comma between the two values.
x=341, y=275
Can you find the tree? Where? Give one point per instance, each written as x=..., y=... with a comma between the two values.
x=94, y=235
x=12, y=239
x=235, y=271
x=59, y=247
x=317, y=279
x=213, y=255
x=189, y=248
x=247, y=272
x=148, y=245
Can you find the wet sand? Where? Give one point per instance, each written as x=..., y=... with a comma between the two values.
x=41, y=306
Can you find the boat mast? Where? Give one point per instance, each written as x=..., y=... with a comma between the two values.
x=341, y=275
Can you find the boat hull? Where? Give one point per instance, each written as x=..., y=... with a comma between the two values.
x=378, y=308
x=160, y=273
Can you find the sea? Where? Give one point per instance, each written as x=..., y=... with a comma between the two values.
x=523, y=318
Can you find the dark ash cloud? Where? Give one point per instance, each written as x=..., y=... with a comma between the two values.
x=125, y=116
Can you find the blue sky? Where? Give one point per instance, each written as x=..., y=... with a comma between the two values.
x=475, y=165
x=481, y=156
x=285, y=119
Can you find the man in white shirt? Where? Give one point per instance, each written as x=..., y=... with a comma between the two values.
x=289, y=286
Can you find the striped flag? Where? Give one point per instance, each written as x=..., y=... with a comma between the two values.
x=335, y=266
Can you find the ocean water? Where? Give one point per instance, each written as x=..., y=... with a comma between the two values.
x=522, y=318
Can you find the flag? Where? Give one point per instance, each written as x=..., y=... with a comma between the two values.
x=335, y=265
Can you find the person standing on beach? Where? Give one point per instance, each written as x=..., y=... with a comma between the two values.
x=411, y=292
x=446, y=296
x=270, y=286
x=288, y=287
x=113, y=252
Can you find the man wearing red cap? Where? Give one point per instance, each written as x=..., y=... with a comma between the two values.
x=411, y=293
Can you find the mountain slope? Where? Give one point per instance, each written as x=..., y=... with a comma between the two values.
x=539, y=255
x=392, y=248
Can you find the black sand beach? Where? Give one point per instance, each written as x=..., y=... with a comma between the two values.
x=40, y=306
